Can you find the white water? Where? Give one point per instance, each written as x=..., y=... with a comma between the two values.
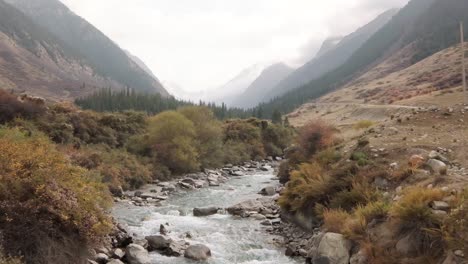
x=231, y=240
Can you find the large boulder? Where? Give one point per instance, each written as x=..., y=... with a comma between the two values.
x=437, y=166
x=205, y=211
x=246, y=206
x=197, y=252
x=136, y=254
x=333, y=249
x=158, y=242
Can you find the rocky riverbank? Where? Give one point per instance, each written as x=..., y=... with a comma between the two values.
x=125, y=247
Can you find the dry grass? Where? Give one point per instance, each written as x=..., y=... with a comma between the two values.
x=363, y=124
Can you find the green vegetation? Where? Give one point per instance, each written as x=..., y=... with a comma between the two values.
x=106, y=100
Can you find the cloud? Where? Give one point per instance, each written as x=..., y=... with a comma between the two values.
x=202, y=44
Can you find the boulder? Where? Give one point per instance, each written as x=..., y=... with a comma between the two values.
x=136, y=254
x=101, y=258
x=205, y=211
x=407, y=246
x=440, y=205
x=198, y=252
x=333, y=248
x=115, y=261
x=158, y=242
x=437, y=166
x=118, y=253
x=246, y=206
x=268, y=191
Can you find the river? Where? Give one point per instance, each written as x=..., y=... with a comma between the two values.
x=231, y=240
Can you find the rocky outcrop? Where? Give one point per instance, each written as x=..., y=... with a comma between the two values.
x=198, y=252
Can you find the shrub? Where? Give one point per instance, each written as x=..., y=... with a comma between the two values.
x=314, y=137
x=11, y=107
x=455, y=227
x=172, y=138
x=209, y=135
x=413, y=211
x=276, y=138
x=248, y=133
x=50, y=210
x=327, y=157
x=363, y=124
x=9, y=260
x=308, y=185
x=375, y=210
x=361, y=158
x=235, y=152
x=334, y=220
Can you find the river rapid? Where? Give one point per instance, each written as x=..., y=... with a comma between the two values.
x=231, y=239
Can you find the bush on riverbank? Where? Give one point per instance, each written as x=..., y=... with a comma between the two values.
x=51, y=211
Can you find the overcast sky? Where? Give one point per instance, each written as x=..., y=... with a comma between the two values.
x=201, y=44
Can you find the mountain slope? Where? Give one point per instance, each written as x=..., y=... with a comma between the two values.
x=87, y=44
x=270, y=77
x=332, y=59
x=236, y=86
x=328, y=44
x=398, y=33
x=34, y=60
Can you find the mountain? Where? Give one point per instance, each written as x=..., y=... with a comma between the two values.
x=269, y=77
x=328, y=44
x=236, y=86
x=421, y=23
x=85, y=44
x=34, y=60
x=330, y=58
x=141, y=64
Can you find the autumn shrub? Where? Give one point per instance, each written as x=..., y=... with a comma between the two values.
x=247, y=133
x=308, y=185
x=327, y=157
x=172, y=137
x=413, y=210
x=209, y=135
x=50, y=210
x=284, y=171
x=334, y=220
x=413, y=216
x=118, y=168
x=276, y=138
x=376, y=210
x=235, y=152
x=455, y=227
x=11, y=107
x=315, y=136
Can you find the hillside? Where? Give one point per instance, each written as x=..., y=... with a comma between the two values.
x=34, y=60
x=270, y=77
x=86, y=45
x=328, y=61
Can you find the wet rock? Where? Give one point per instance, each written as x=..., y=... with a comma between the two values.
x=205, y=211
x=265, y=168
x=437, y=166
x=158, y=242
x=198, y=252
x=258, y=217
x=246, y=206
x=333, y=248
x=136, y=254
x=268, y=191
x=163, y=230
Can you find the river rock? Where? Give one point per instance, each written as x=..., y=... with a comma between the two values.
x=198, y=252
x=333, y=248
x=268, y=191
x=118, y=253
x=246, y=206
x=101, y=258
x=158, y=242
x=440, y=205
x=205, y=211
x=136, y=254
x=437, y=166
x=115, y=261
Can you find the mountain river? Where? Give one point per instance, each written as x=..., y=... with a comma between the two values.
x=231, y=240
